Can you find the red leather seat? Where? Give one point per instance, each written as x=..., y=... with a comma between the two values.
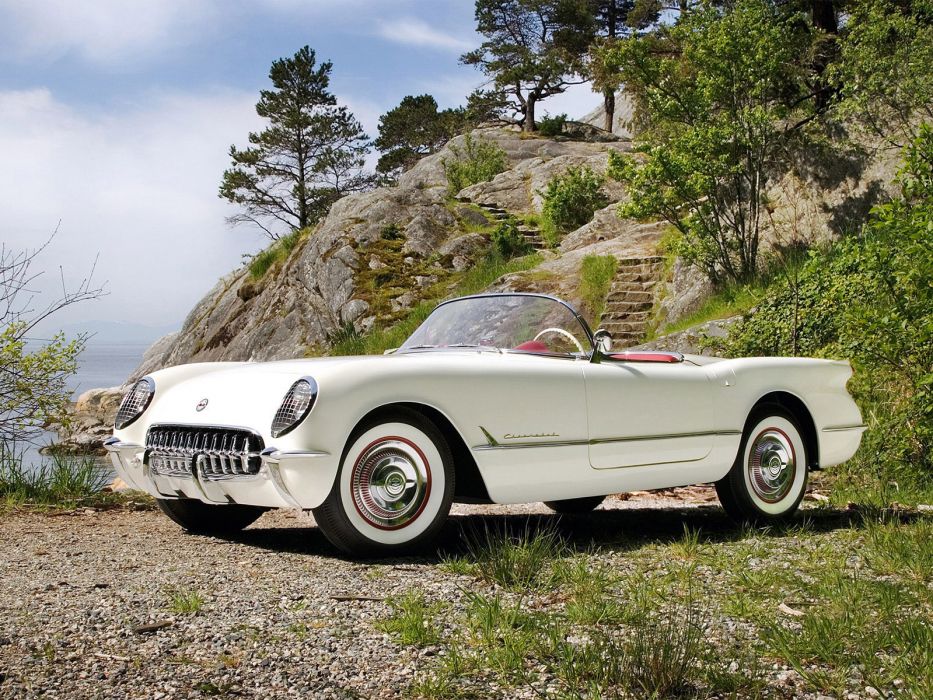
x=533, y=346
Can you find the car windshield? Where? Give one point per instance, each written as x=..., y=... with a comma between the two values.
x=521, y=322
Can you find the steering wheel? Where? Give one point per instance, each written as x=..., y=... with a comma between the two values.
x=564, y=333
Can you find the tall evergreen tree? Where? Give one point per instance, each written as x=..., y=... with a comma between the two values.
x=611, y=18
x=533, y=49
x=310, y=154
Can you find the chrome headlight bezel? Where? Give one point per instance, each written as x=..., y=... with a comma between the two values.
x=295, y=406
x=134, y=403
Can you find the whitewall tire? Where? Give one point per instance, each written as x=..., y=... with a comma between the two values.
x=769, y=477
x=394, y=487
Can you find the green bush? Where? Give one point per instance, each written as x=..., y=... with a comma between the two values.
x=570, y=201
x=509, y=241
x=479, y=160
x=596, y=273
x=552, y=126
x=869, y=298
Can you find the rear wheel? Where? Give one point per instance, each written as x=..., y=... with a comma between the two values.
x=769, y=476
x=394, y=488
x=575, y=506
x=206, y=519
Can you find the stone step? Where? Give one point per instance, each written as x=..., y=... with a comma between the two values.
x=617, y=330
x=628, y=307
x=654, y=260
x=627, y=277
x=630, y=295
x=492, y=209
x=610, y=315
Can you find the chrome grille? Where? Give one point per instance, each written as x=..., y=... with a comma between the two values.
x=215, y=452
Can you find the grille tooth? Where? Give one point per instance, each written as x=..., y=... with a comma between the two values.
x=216, y=453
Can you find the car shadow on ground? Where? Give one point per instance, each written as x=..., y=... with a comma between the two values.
x=608, y=530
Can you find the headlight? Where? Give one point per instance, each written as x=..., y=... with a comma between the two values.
x=296, y=405
x=135, y=402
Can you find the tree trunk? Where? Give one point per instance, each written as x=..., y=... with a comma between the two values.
x=529, y=124
x=823, y=13
x=609, y=105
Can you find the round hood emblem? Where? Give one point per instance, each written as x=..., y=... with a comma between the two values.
x=202, y=404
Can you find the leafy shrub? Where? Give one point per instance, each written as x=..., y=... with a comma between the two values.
x=479, y=160
x=596, y=273
x=509, y=241
x=391, y=232
x=552, y=126
x=571, y=200
x=869, y=298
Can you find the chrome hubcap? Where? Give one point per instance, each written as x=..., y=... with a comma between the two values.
x=772, y=465
x=390, y=483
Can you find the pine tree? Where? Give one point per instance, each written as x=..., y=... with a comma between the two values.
x=310, y=154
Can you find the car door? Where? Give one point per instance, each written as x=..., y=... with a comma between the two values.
x=644, y=413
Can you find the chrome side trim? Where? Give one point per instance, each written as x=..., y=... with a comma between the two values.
x=494, y=444
x=271, y=453
x=841, y=428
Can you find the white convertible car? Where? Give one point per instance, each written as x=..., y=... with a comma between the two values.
x=502, y=398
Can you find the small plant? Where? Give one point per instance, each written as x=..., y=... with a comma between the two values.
x=596, y=274
x=391, y=232
x=552, y=126
x=411, y=620
x=479, y=160
x=185, y=601
x=509, y=241
x=570, y=201
x=518, y=560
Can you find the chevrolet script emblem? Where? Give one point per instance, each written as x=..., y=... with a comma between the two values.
x=202, y=404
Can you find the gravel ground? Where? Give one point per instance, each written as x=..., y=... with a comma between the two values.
x=283, y=614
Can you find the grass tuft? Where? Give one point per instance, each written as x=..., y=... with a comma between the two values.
x=411, y=620
x=60, y=480
x=515, y=560
x=185, y=601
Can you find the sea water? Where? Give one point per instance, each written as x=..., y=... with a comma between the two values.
x=102, y=364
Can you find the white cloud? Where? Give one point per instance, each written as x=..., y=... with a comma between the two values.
x=102, y=31
x=138, y=186
x=414, y=32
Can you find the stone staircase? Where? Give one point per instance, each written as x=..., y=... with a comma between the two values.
x=495, y=213
x=630, y=300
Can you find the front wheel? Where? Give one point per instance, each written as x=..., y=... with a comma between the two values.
x=206, y=519
x=769, y=476
x=394, y=488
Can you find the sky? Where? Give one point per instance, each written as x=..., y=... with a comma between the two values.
x=116, y=117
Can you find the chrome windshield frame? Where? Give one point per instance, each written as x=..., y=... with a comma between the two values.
x=496, y=295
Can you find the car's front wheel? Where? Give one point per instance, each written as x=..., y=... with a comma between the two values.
x=769, y=476
x=206, y=519
x=394, y=488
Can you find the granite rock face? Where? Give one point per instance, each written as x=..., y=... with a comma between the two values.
x=299, y=305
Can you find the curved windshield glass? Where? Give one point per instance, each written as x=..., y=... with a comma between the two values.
x=521, y=322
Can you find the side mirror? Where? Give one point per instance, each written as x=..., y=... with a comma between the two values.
x=602, y=339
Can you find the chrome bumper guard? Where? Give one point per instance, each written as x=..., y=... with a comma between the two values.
x=134, y=463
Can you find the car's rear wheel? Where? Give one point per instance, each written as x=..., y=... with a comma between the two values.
x=575, y=506
x=206, y=519
x=394, y=488
x=769, y=476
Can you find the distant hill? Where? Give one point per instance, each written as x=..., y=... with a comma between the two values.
x=108, y=331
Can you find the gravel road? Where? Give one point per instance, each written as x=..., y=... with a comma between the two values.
x=283, y=615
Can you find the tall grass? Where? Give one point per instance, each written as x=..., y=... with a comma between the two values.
x=59, y=480
x=279, y=251
x=596, y=273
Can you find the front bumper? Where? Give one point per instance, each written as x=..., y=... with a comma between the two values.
x=299, y=479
